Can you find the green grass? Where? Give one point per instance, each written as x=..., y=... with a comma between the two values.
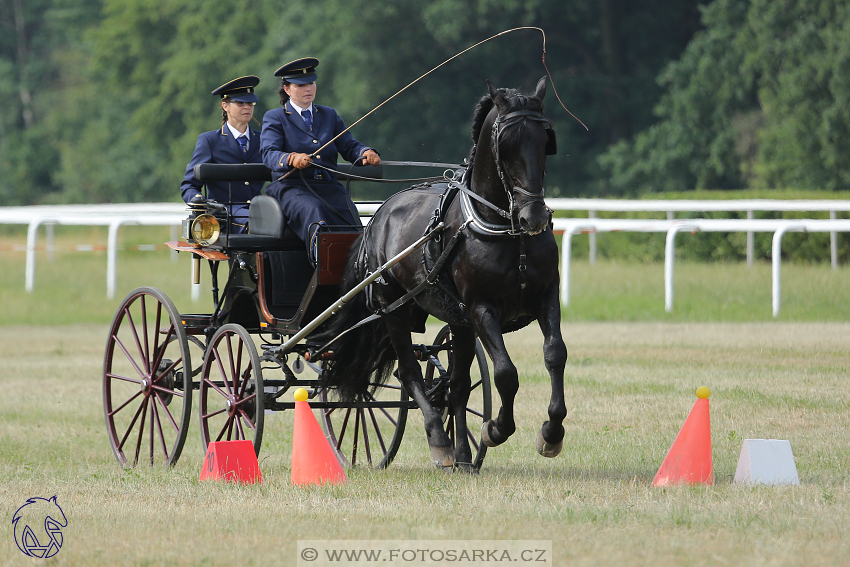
x=629, y=387
x=630, y=380
x=72, y=287
x=629, y=291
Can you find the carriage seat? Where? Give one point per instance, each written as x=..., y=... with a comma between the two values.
x=266, y=229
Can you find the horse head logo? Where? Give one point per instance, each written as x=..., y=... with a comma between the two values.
x=38, y=527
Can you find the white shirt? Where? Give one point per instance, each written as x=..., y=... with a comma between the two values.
x=237, y=134
x=300, y=110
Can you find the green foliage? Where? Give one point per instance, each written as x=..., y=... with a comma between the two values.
x=37, y=39
x=758, y=99
x=108, y=97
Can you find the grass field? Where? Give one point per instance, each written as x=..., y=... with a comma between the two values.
x=630, y=384
x=629, y=388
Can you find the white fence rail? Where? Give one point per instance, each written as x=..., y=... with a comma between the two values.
x=571, y=227
x=116, y=216
x=671, y=207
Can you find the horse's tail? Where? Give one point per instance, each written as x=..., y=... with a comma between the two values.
x=365, y=355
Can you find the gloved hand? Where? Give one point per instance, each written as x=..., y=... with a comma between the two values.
x=299, y=161
x=370, y=157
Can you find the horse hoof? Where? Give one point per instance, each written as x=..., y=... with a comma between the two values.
x=442, y=457
x=546, y=449
x=485, y=436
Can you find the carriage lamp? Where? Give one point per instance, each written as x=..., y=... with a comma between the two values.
x=205, y=230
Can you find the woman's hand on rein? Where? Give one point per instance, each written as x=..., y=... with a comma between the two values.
x=370, y=157
x=299, y=161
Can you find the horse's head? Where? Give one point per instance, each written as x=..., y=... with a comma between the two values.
x=519, y=139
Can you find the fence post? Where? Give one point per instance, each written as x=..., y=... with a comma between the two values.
x=566, y=258
x=669, y=261
x=776, y=259
x=591, y=238
x=112, y=253
x=750, y=241
x=833, y=243
x=32, y=235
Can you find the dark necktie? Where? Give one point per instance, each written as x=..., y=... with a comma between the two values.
x=308, y=118
x=243, y=143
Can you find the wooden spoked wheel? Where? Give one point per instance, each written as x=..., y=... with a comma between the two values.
x=231, y=392
x=479, y=406
x=369, y=430
x=147, y=383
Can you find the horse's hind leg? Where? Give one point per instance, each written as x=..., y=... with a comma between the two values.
x=505, y=377
x=463, y=353
x=550, y=439
x=410, y=374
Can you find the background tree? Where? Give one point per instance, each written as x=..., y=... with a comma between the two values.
x=120, y=88
x=38, y=40
x=758, y=99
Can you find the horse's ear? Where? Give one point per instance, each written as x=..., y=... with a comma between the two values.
x=497, y=96
x=540, y=91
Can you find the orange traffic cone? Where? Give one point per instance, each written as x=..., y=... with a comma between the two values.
x=689, y=458
x=313, y=460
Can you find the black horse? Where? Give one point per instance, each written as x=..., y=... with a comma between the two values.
x=493, y=269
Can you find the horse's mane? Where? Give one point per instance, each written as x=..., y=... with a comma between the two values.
x=516, y=101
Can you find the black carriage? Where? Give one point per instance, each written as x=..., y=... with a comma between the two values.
x=262, y=340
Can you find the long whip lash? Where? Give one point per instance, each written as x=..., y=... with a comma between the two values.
x=443, y=63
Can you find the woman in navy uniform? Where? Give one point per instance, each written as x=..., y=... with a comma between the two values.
x=309, y=196
x=233, y=143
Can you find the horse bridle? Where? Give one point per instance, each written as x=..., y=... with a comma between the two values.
x=500, y=124
x=516, y=204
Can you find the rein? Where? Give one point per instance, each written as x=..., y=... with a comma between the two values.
x=375, y=180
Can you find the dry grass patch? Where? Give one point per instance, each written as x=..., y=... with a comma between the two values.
x=629, y=388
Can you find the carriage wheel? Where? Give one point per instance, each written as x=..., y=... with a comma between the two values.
x=371, y=431
x=147, y=392
x=231, y=379
x=479, y=406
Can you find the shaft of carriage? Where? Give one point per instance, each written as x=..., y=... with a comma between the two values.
x=337, y=305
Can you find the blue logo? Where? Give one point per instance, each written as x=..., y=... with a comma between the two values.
x=38, y=527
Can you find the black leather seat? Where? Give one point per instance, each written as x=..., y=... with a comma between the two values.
x=266, y=229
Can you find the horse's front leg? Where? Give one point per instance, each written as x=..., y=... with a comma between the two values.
x=505, y=376
x=550, y=438
x=463, y=353
x=410, y=374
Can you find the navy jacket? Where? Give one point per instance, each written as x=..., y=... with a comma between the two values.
x=284, y=131
x=219, y=146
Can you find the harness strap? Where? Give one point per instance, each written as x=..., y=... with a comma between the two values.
x=522, y=266
x=368, y=319
x=432, y=276
x=502, y=212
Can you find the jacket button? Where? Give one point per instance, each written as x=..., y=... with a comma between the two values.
x=247, y=183
x=315, y=141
